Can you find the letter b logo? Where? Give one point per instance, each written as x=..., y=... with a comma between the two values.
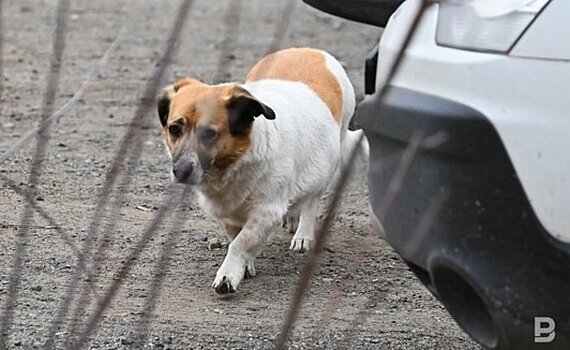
x=544, y=329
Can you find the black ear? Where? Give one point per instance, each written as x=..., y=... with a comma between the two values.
x=163, y=108
x=243, y=108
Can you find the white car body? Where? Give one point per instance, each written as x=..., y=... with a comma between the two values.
x=523, y=93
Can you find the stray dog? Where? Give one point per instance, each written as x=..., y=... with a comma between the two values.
x=262, y=151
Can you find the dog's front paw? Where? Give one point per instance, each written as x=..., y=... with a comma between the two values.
x=231, y=274
x=301, y=244
x=223, y=285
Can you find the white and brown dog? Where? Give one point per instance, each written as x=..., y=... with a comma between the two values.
x=251, y=172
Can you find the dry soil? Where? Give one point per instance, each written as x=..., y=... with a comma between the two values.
x=376, y=302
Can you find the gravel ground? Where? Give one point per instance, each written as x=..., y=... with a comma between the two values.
x=371, y=299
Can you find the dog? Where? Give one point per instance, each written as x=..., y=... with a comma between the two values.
x=261, y=151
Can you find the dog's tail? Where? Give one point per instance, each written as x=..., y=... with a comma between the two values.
x=355, y=139
x=359, y=166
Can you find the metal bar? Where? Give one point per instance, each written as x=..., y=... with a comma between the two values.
x=312, y=259
x=160, y=271
x=131, y=142
x=27, y=49
x=1, y=55
x=423, y=226
x=231, y=19
x=91, y=78
x=121, y=275
x=36, y=166
x=27, y=195
x=311, y=262
x=282, y=27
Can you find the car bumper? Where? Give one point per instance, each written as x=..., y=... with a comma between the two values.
x=461, y=219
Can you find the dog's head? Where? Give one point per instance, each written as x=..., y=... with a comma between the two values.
x=207, y=127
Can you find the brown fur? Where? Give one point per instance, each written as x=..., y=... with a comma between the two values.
x=304, y=65
x=197, y=104
x=231, y=230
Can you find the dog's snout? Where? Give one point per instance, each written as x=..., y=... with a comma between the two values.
x=182, y=169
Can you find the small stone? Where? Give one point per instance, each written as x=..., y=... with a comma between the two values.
x=125, y=341
x=337, y=25
x=39, y=198
x=145, y=207
x=37, y=288
x=214, y=243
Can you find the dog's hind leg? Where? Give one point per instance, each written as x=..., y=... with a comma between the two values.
x=291, y=222
x=304, y=237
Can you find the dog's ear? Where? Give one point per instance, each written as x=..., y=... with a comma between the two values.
x=164, y=98
x=243, y=107
x=163, y=104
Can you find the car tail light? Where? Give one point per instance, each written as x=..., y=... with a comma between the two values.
x=485, y=25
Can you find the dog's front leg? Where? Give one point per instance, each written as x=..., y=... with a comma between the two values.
x=231, y=230
x=239, y=261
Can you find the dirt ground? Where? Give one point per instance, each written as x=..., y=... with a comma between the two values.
x=376, y=302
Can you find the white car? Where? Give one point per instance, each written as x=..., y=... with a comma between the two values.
x=482, y=216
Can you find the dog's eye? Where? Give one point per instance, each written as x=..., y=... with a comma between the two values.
x=207, y=134
x=175, y=130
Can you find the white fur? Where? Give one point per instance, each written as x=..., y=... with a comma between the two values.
x=349, y=139
x=348, y=98
x=289, y=166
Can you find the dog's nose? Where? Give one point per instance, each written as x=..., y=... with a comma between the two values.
x=182, y=170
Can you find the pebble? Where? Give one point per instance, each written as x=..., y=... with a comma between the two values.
x=214, y=243
x=337, y=25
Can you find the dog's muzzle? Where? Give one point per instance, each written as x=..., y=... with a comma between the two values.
x=182, y=170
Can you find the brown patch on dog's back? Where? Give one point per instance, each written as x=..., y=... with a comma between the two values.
x=304, y=65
